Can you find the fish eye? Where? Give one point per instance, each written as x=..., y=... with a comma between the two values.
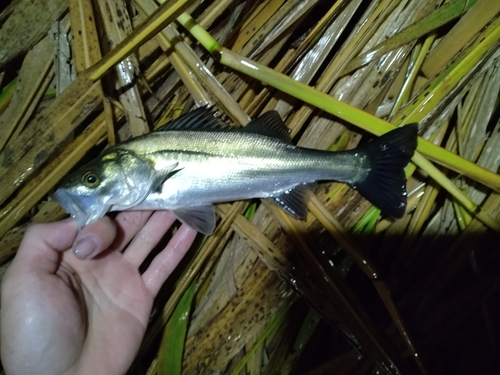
x=91, y=180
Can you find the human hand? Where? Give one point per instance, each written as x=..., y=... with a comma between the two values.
x=64, y=315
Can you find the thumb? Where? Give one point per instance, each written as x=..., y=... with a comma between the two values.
x=94, y=238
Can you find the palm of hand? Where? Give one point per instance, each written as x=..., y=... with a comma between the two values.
x=85, y=316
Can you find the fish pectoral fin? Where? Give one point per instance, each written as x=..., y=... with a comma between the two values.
x=293, y=201
x=161, y=176
x=201, y=218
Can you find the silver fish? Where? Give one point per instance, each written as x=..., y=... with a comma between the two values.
x=197, y=160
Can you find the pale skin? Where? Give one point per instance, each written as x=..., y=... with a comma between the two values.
x=65, y=315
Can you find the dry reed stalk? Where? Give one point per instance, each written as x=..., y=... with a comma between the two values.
x=388, y=287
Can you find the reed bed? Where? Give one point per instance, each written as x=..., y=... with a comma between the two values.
x=348, y=291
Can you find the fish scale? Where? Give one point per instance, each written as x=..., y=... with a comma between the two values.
x=197, y=160
x=249, y=165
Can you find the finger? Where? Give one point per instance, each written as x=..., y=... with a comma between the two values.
x=128, y=224
x=102, y=234
x=165, y=262
x=94, y=238
x=148, y=237
x=42, y=243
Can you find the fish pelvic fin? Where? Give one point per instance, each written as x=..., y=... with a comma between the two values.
x=385, y=183
x=201, y=218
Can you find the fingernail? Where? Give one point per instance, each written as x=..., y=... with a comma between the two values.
x=85, y=248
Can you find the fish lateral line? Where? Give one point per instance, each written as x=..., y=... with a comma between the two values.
x=184, y=167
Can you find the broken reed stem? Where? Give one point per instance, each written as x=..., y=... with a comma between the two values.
x=165, y=14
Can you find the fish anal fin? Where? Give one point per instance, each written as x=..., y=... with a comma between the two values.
x=200, y=218
x=293, y=201
x=269, y=124
x=385, y=184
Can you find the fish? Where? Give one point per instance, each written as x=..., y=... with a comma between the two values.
x=198, y=159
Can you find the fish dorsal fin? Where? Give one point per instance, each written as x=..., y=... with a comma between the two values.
x=202, y=118
x=293, y=201
x=270, y=124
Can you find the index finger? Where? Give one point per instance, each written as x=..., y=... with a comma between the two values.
x=105, y=233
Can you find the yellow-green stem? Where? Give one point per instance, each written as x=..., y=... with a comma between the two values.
x=354, y=116
x=333, y=106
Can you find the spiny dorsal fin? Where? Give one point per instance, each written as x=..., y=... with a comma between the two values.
x=269, y=124
x=202, y=118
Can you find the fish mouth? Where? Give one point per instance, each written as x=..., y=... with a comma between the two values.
x=74, y=205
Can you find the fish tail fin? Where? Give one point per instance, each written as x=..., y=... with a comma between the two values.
x=385, y=184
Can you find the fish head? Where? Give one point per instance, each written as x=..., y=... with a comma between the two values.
x=117, y=179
